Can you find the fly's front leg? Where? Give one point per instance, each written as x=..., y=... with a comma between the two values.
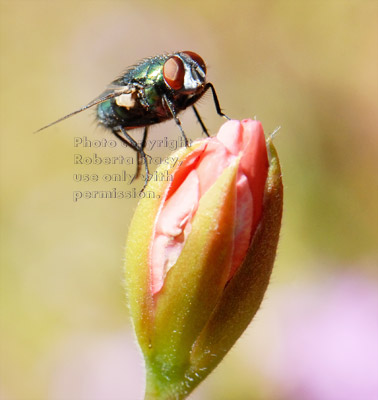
x=171, y=110
x=216, y=101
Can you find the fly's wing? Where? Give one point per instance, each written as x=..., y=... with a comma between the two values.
x=111, y=92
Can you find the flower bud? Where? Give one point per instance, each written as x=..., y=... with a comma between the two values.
x=199, y=255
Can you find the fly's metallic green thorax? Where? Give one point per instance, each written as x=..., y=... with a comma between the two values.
x=152, y=91
x=141, y=104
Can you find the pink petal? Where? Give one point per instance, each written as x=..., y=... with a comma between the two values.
x=255, y=164
x=178, y=208
x=243, y=228
x=172, y=228
x=231, y=135
x=212, y=163
x=198, y=172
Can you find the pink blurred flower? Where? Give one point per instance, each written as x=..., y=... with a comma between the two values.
x=92, y=367
x=328, y=341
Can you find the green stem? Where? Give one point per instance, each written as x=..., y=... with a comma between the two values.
x=160, y=388
x=156, y=390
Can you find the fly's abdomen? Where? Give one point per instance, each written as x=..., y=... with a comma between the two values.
x=111, y=114
x=107, y=114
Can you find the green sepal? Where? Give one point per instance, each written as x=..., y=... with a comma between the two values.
x=137, y=272
x=193, y=287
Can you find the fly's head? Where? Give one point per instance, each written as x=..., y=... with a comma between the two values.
x=185, y=72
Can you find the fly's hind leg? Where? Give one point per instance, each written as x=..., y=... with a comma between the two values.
x=122, y=134
x=140, y=154
x=144, y=140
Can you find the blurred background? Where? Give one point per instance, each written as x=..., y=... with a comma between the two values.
x=309, y=67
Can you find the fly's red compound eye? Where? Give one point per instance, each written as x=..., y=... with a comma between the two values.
x=173, y=72
x=195, y=57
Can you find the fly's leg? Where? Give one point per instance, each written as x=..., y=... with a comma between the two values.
x=144, y=140
x=216, y=101
x=205, y=131
x=142, y=146
x=122, y=134
x=172, y=111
